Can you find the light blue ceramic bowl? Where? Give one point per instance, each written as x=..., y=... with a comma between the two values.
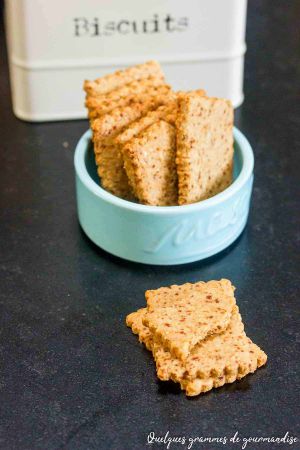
x=163, y=235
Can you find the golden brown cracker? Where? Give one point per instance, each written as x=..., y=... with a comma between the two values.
x=134, y=321
x=204, y=146
x=110, y=82
x=128, y=90
x=211, y=357
x=109, y=159
x=255, y=359
x=165, y=112
x=181, y=316
x=218, y=359
x=114, y=122
x=149, y=161
x=110, y=170
x=138, y=91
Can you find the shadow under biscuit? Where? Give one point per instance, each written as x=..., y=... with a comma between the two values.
x=168, y=387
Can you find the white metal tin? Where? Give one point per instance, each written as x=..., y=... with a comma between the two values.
x=54, y=45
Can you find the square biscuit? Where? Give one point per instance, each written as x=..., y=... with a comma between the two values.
x=119, y=120
x=204, y=147
x=108, y=157
x=110, y=169
x=136, y=87
x=138, y=91
x=167, y=112
x=110, y=82
x=181, y=316
x=255, y=358
x=149, y=161
x=211, y=357
x=134, y=321
x=215, y=361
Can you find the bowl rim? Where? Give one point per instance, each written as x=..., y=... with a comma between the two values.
x=244, y=175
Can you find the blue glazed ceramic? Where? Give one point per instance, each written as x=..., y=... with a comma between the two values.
x=163, y=235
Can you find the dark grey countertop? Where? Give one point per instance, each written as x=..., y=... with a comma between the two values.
x=72, y=375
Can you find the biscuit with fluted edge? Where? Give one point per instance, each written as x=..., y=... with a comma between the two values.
x=119, y=120
x=110, y=169
x=217, y=360
x=108, y=157
x=149, y=161
x=138, y=91
x=204, y=147
x=167, y=112
x=181, y=316
x=134, y=321
x=197, y=386
x=217, y=354
x=113, y=81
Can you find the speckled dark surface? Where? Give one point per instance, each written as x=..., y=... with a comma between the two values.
x=72, y=375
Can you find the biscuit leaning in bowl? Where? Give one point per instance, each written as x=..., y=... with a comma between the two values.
x=120, y=78
x=149, y=161
x=202, y=150
x=204, y=147
x=113, y=102
x=108, y=158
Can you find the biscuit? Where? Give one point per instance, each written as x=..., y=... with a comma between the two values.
x=108, y=157
x=118, y=79
x=211, y=357
x=112, y=123
x=256, y=359
x=110, y=170
x=149, y=161
x=138, y=91
x=204, y=147
x=218, y=359
x=166, y=112
x=181, y=316
x=128, y=90
x=134, y=321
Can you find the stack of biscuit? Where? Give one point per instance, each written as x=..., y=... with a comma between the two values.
x=157, y=146
x=196, y=335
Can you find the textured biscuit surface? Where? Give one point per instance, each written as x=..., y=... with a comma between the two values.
x=213, y=356
x=113, y=123
x=255, y=358
x=149, y=161
x=181, y=316
x=109, y=159
x=138, y=91
x=134, y=321
x=167, y=112
x=114, y=102
x=218, y=359
x=204, y=146
x=118, y=79
x=110, y=169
